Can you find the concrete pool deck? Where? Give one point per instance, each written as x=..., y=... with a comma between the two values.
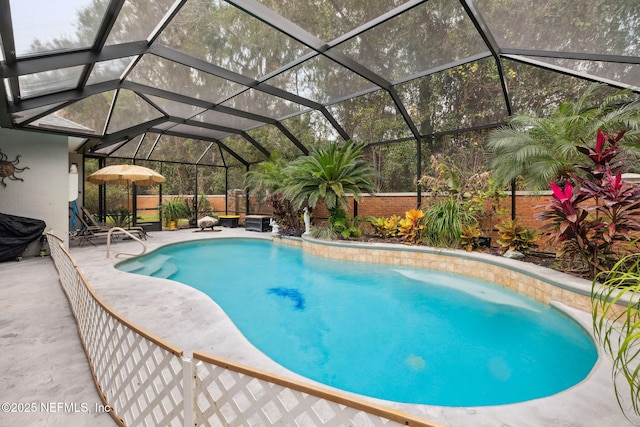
x=191, y=321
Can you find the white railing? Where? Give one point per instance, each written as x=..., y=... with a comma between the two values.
x=121, y=230
x=148, y=382
x=229, y=394
x=137, y=375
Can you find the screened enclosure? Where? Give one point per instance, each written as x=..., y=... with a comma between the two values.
x=224, y=84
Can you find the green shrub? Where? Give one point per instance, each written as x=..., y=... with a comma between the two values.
x=444, y=220
x=411, y=226
x=119, y=217
x=616, y=324
x=516, y=237
x=386, y=227
x=470, y=237
x=340, y=223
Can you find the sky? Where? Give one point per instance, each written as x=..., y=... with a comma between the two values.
x=43, y=19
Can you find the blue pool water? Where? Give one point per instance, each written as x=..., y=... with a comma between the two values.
x=402, y=334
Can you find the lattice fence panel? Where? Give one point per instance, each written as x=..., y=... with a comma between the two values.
x=227, y=398
x=141, y=380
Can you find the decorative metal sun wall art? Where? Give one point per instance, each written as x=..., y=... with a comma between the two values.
x=8, y=169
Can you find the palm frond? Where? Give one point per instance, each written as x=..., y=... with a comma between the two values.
x=329, y=174
x=544, y=148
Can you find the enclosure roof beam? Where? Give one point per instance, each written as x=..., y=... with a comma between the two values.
x=223, y=73
x=45, y=113
x=9, y=46
x=292, y=138
x=256, y=144
x=153, y=146
x=444, y=67
x=139, y=144
x=487, y=36
x=206, y=125
x=204, y=153
x=572, y=73
x=64, y=96
x=285, y=26
x=129, y=133
x=217, y=141
x=172, y=96
x=112, y=107
x=574, y=55
x=335, y=124
x=108, y=20
x=71, y=59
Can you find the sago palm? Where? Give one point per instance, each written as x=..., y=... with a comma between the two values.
x=329, y=175
x=543, y=149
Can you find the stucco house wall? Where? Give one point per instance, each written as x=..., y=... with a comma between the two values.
x=44, y=192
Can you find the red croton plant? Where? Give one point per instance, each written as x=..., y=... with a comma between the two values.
x=287, y=216
x=593, y=217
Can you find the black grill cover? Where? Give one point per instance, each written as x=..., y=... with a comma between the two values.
x=16, y=233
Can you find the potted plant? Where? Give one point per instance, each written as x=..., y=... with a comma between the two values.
x=172, y=211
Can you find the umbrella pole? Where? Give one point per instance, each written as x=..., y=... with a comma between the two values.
x=134, y=205
x=128, y=196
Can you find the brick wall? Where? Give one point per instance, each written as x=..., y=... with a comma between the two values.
x=385, y=204
x=381, y=205
x=527, y=206
x=151, y=202
x=398, y=203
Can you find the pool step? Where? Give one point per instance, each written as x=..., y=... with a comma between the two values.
x=162, y=267
x=132, y=267
x=166, y=271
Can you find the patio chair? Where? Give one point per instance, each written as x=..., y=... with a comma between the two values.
x=91, y=229
x=93, y=223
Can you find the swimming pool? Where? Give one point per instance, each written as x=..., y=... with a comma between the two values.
x=401, y=334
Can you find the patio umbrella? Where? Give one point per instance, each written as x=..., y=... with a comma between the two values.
x=125, y=175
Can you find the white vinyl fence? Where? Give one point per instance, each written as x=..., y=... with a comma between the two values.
x=147, y=382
